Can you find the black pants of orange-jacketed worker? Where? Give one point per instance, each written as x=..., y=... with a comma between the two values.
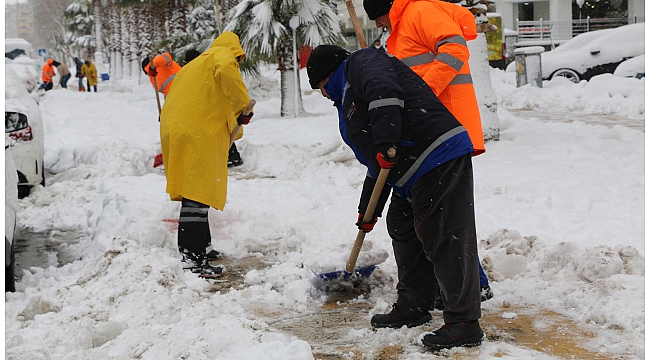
x=438, y=229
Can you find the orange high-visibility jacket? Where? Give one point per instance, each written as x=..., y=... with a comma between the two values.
x=167, y=69
x=48, y=71
x=430, y=37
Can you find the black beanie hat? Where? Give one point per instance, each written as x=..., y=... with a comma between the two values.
x=191, y=55
x=377, y=8
x=322, y=61
x=145, y=62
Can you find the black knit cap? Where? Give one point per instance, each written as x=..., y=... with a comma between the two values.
x=145, y=62
x=377, y=8
x=322, y=61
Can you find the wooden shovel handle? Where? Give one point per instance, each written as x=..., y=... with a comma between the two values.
x=355, y=23
x=370, y=212
x=155, y=86
x=235, y=131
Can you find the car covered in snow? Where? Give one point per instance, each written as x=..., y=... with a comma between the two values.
x=24, y=125
x=11, y=208
x=592, y=53
x=634, y=67
x=26, y=71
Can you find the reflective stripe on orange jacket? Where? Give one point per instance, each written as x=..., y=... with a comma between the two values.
x=430, y=37
x=48, y=71
x=167, y=69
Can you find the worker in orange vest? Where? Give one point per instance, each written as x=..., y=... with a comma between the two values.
x=47, y=74
x=436, y=49
x=164, y=69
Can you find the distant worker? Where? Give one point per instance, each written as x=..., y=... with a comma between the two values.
x=78, y=64
x=47, y=74
x=90, y=72
x=164, y=69
x=64, y=73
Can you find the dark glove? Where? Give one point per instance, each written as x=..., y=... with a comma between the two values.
x=152, y=71
x=366, y=227
x=244, y=119
x=385, y=161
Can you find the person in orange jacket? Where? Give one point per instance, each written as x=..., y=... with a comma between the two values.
x=164, y=69
x=47, y=74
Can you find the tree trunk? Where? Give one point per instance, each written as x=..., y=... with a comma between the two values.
x=289, y=95
x=487, y=99
x=98, y=57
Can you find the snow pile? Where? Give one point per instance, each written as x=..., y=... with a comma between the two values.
x=559, y=212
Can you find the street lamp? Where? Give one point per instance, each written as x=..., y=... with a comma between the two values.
x=294, y=22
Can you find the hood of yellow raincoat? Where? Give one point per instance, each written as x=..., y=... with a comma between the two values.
x=229, y=40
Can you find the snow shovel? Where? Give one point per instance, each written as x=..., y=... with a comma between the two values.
x=350, y=271
x=158, y=160
x=235, y=131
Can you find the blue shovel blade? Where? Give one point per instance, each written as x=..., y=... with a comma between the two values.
x=342, y=275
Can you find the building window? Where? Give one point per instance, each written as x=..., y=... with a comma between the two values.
x=532, y=11
x=599, y=9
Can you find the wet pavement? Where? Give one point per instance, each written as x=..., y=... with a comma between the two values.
x=44, y=249
x=595, y=119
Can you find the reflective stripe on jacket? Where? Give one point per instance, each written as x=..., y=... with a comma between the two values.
x=430, y=37
x=380, y=102
x=167, y=69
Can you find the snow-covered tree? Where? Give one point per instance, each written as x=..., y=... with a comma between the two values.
x=78, y=22
x=263, y=29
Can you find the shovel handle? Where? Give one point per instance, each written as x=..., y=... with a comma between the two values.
x=370, y=211
x=155, y=86
x=235, y=131
x=355, y=22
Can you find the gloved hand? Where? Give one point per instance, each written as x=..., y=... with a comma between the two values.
x=152, y=71
x=366, y=227
x=385, y=161
x=244, y=119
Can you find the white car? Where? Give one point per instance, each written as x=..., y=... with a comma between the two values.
x=592, y=53
x=26, y=71
x=11, y=207
x=634, y=67
x=24, y=125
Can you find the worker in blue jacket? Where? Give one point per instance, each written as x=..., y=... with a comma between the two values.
x=382, y=105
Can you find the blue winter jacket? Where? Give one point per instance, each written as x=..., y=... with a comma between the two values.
x=381, y=102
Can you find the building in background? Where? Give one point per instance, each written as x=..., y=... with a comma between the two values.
x=19, y=22
x=551, y=22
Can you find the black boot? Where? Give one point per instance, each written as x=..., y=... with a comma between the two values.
x=204, y=270
x=399, y=317
x=463, y=333
x=234, y=159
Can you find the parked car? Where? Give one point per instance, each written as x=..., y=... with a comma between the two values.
x=26, y=71
x=24, y=124
x=634, y=67
x=592, y=53
x=11, y=207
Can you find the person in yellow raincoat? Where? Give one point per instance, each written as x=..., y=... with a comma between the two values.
x=90, y=72
x=204, y=105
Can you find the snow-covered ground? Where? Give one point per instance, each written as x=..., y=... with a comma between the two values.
x=560, y=218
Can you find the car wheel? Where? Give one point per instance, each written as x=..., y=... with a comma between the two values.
x=567, y=73
x=23, y=191
x=10, y=280
x=43, y=174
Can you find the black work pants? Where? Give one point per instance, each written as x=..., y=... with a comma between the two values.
x=193, y=230
x=437, y=231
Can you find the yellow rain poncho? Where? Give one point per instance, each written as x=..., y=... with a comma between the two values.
x=197, y=118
